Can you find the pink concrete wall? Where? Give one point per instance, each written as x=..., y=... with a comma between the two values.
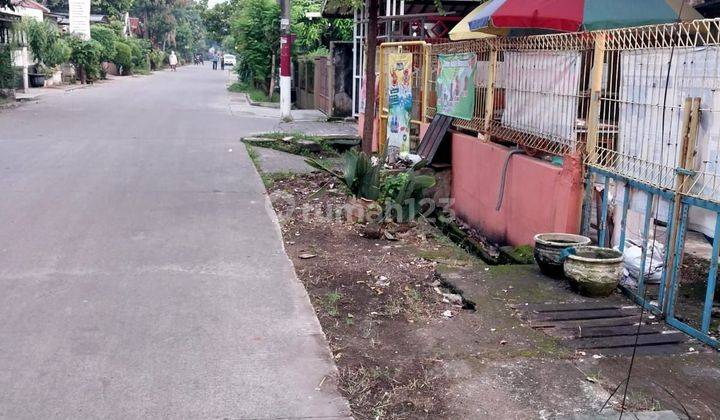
x=361, y=125
x=539, y=197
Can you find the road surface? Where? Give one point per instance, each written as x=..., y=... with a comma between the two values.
x=142, y=273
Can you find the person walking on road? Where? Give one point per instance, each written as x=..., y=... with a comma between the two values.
x=215, y=61
x=222, y=61
x=173, y=60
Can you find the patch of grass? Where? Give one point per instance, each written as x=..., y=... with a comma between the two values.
x=269, y=179
x=522, y=254
x=254, y=156
x=291, y=145
x=384, y=392
x=330, y=302
x=257, y=95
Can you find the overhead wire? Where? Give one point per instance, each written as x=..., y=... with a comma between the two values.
x=651, y=249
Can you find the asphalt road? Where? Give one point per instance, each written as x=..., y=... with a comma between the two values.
x=142, y=273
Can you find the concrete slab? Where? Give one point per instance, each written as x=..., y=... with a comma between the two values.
x=275, y=161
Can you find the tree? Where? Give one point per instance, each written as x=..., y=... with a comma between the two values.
x=86, y=57
x=114, y=8
x=314, y=33
x=218, y=20
x=175, y=24
x=107, y=37
x=46, y=46
x=123, y=57
x=257, y=34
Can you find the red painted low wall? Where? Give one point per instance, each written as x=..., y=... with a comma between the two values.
x=361, y=125
x=539, y=197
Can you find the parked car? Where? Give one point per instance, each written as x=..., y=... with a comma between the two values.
x=229, y=60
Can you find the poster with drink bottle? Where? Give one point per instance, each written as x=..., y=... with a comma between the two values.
x=399, y=102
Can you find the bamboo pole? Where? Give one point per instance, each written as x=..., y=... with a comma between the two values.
x=593, y=122
x=688, y=134
x=490, y=93
x=426, y=82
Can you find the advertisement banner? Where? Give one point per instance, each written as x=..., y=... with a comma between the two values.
x=79, y=17
x=400, y=101
x=455, y=85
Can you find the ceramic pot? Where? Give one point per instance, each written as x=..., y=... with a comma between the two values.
x=548, y=247
x=594, y=271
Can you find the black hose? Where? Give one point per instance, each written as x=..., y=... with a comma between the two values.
x=501, y=193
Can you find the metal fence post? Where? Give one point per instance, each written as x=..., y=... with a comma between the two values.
x=596, y=75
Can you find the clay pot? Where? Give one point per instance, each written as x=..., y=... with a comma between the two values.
x=548, y=247
x=594, y=271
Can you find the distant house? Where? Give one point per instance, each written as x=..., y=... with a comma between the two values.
x=63, y=20
x=7, y=18
x=21, y=9
x=26, y=8
x=136, y=26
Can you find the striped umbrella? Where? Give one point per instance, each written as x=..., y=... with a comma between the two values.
x=578, y=15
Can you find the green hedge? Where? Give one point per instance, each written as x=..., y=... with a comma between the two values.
x=123, y=57
x=86, y=57
x=8, y=75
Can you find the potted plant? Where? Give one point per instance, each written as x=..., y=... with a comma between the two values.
x=48, y=49
x=36, y=78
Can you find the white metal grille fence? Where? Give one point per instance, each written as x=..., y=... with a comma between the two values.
x=603, y=93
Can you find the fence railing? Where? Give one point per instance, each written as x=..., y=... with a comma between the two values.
x=641, y=105
x=656, y=75
x=532, y=91
x=602, y=93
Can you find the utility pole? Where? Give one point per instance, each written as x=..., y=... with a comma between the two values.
x=285, y=61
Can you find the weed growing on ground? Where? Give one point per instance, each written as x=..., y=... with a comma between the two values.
x=254, y=93
x=331, y=301
x=288, y=142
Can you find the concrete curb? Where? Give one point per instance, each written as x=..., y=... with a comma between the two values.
x=9, y=105
x=272, y=105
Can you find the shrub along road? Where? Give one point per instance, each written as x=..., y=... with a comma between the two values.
x=142, y=272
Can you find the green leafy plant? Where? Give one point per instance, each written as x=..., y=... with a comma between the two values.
x=123, y=57
x=48, y=49
x=157, y=59
x=107, y=38
x=257, y=39
x=405, y=191
x=86, y=57
x=58, y=53
x=361, y=174
x=141, y=49
x=331, y=302
x=8, y=75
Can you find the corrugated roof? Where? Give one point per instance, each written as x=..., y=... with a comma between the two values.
x=344, y=9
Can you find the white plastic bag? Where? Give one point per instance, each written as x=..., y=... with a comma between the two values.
x=654, y=262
